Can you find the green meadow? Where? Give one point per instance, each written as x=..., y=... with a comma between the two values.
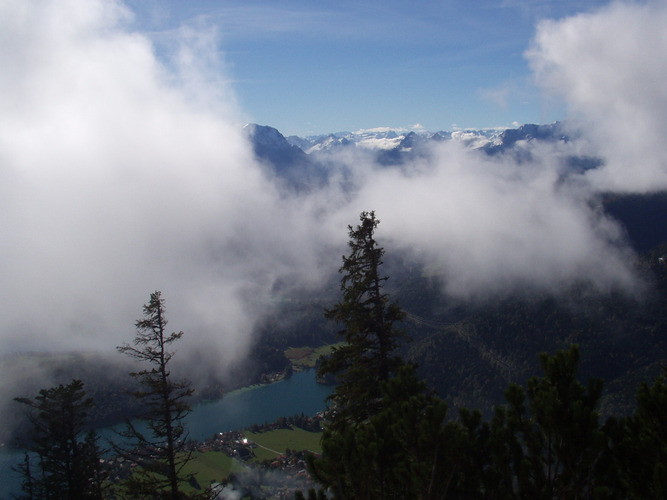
x=274, y=443
x=306, y=357
x=215, y=466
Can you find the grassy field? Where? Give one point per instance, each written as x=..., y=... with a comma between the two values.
x=306, y=357
x=216, y=466
x=274, y=443
x=208, y=467
x=211, y=465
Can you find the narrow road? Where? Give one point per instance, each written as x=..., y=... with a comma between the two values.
x=269, y=449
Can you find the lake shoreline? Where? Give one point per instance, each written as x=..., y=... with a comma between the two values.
x=237, y=410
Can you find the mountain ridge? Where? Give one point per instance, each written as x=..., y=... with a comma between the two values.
x=304, y=162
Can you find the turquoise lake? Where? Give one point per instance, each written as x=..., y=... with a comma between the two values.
x=237, y=410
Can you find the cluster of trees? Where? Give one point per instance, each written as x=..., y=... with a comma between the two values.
x=68, y=457
x=64, y=460
x=388, y=436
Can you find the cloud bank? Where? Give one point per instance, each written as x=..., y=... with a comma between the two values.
x=492, y=226
x=120, y=175
x=122, y=172
x=610, y=66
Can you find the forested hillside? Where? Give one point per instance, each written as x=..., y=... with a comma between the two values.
x=387, y=435
x=468, y=351
x=470, y=356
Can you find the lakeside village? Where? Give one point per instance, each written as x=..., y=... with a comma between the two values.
x=279, y=477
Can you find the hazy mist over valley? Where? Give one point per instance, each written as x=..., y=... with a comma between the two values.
x=125, y=168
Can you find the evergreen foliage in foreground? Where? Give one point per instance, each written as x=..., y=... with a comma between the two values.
x=160, y=452
x=546, y=442
x=63, y=461
x=388, y=436
x=367, y=358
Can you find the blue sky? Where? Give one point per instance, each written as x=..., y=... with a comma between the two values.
x=316, y=67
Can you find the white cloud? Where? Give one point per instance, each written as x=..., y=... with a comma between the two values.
x=498, y=95
x=121, y=174
x=492, y=227
x=510, y=93
x=610, y=67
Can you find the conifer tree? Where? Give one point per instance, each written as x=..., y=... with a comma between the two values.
x=404, y=451
x=160, y=452
x=357, y=442
x=67, y=465
x=557, y=439
x=640, y=443
x=368, y=356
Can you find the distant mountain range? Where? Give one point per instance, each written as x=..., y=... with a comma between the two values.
x=303, y=163
x=305, y=160
x=269, y=141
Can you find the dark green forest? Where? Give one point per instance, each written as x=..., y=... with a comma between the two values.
x=388, y=436
x=469, y=352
